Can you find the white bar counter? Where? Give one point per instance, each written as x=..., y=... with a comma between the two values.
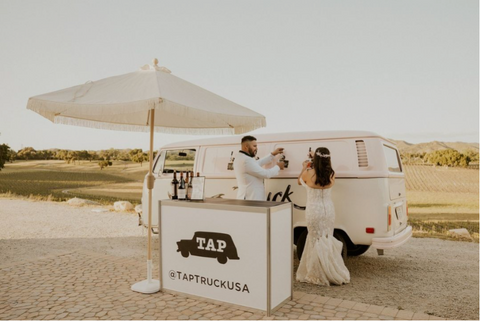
x=236, y=251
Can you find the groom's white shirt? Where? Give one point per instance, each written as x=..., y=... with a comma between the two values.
x=250, y=174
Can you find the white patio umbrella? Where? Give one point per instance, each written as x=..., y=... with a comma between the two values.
x=150, y=99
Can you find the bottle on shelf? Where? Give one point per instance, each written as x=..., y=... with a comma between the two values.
x=196, y=186
x=309, y=158
x=174, y=186
x=186, y=185
x=190, y=186
x=182, y=192
x=230, y=163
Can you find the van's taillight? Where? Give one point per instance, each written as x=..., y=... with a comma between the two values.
x=389, y=227
x=370, y=230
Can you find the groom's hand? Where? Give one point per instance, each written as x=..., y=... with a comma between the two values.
x=277, y=151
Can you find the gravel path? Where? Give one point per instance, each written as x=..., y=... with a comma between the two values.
x=425, y=275
x=429, y=275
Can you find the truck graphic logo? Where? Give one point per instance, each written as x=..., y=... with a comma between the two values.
x=209, y=244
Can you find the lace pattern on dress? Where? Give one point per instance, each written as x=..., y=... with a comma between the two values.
x=321, y=261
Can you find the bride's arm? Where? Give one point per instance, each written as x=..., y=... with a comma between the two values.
x=304, y=168
x=332, y=179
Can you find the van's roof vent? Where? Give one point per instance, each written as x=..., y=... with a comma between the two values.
x=361, y=153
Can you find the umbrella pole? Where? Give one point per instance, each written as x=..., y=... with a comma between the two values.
x=149, y=285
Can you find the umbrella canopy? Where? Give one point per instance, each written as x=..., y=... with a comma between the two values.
x=123, y=103
x=150, y=99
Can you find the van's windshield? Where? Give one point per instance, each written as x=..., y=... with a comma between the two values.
x=179, y=160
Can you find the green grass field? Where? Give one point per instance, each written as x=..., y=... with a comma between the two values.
x=440, y=199
x=56, y=180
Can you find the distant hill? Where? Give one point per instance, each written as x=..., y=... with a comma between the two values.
x=406, y=147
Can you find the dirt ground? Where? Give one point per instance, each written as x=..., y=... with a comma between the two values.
x=433, y=276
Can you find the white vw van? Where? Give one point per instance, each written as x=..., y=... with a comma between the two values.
x=369, y=192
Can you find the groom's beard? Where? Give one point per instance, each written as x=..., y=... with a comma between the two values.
x=252, y=153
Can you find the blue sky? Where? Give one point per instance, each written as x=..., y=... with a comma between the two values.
x=404, y=69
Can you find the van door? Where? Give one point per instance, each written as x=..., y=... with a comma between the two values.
x=396, y=186
x=179, y=159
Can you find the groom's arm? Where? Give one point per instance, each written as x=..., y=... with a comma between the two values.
x=253, y=168
x=270, y=157
x=265, y=160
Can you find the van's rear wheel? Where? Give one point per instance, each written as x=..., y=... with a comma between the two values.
x=356, y=250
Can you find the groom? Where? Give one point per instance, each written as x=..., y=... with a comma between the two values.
x=249, y=171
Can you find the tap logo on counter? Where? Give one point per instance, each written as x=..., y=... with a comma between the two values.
x=202, y=280
x=209, y=244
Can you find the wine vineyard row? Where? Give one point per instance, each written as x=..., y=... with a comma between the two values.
x=440, y=179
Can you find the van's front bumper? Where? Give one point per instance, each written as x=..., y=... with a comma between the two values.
x=383, y=243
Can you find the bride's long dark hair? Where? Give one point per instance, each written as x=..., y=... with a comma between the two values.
x=322, y=166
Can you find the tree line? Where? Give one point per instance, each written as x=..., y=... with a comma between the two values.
x=104, y=157
x=446, y=157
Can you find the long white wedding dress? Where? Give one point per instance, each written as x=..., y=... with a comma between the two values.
x=321, y=261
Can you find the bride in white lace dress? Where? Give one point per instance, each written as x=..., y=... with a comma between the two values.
x=321, y=261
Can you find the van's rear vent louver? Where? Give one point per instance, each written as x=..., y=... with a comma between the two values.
x=361, y=153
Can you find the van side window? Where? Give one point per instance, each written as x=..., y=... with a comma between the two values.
x=393, y=160
x=179, y=160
